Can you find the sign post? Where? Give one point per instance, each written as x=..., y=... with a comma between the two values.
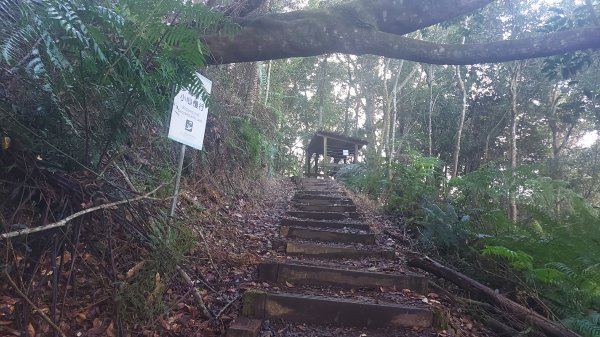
x=187, y=126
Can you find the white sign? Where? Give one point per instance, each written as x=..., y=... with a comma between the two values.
x=345, y=152
x=188, y=117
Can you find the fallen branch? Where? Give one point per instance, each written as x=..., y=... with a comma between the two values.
x=64, y=221
x=235, y=299
x=196, y=293
x=548, y=327
x=38, y=310
x=126, y=178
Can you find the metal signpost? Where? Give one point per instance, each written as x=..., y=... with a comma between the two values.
x=188, y=122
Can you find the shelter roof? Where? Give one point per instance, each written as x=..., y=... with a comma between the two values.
x=335, y=143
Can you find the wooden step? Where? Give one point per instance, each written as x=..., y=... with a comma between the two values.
x=327, y=251
x=298, y=274
x=324, y=235
x=324, y=224
x=323, y=215
x=320, y=192
x=244, y=327
x=299, y=195
x=326, y=208
x=323, y=310
x=318, y=202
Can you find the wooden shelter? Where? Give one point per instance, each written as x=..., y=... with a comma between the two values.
x=335, y=149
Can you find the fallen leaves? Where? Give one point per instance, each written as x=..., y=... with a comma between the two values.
x=30, y=330
x=135, y=269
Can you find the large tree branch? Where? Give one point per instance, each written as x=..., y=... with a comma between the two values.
x=305, y=32
x=364, y=27
x=402, y=17
x=390, y=45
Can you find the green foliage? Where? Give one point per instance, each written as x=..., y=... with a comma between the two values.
x=414, y=180
x=251, y=140
x=570, y=291
x=140, y=297
x=588, y=326
x=568, y=65
x=518, y=259
x=362, y=179
x=444, y=229
x=83, y=72
x=250, y=145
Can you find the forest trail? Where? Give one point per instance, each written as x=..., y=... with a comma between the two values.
x=336, y=277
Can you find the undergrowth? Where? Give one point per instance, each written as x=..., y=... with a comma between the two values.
x=550, y=254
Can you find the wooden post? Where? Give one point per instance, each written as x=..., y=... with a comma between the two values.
x=316, y=165
x=355, y=153
x=325, y=161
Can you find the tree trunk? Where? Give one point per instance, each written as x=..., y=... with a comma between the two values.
x=461, y=120
x=430, y=78
x=392, y=139
x=321, y=90
x=514, y=120
x=347, y=106
x=268, y=84
x=370, y=127
x=397, y=89
x=481, y=291
x=387, y=105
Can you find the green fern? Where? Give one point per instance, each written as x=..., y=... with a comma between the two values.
x=80, y=61
x=518, y=259
x=587, y=326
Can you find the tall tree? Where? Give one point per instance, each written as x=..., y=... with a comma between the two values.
x=461, y=120
x=430, y=72
x=515, y=77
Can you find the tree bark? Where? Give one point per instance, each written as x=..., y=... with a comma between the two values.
x=481, y=291
x=268, y=84
x=384, y=147
x=377, y=27
x=461, y=120
x=430, y=79
x=397, y=90
x=347, y=106
x=370, y=128
x=515, y=75
x=321, y=90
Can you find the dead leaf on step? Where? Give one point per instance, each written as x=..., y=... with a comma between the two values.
x=289, y=285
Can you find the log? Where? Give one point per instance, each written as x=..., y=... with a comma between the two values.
x=548, y=327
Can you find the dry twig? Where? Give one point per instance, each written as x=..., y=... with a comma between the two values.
x=64, y=221
x=38, y=310
x=197, y=295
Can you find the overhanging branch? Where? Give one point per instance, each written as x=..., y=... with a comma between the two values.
x=360, y=27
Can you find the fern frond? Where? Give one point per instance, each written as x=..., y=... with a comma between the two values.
x=585, y=326
x=518, y=259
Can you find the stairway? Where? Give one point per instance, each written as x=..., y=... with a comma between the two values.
x=321, y=236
